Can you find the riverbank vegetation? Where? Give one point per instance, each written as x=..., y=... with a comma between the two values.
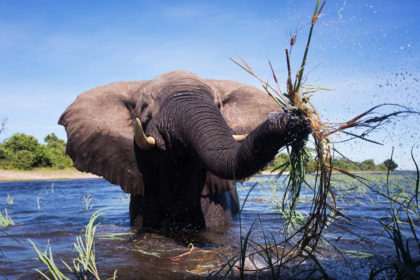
x=84, y=265
x=307, y=233
x=316, y=154
x=24, y=152
x=5, y=220
x=282, y=159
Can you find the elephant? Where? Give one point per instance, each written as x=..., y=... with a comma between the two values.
x=177, y=144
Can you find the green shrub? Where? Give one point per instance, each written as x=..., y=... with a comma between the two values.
x=390, y=164
x=23, y=160
x=381, y=167
x=23, y=151
x=58, y=159
x=3, y=153
x=20, y=141
x=311, y=166
x=368, y=164
x=54, y=142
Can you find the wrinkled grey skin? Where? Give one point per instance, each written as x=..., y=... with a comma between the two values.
x=186, y=180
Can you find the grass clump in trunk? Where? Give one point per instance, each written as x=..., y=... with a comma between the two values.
x=296, y=97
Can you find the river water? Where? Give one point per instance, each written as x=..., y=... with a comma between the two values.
x=56, y=212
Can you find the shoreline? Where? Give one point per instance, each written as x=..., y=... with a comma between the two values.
x=44, y=174
x=351, y=172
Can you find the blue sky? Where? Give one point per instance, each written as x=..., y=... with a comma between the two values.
x=368, y=51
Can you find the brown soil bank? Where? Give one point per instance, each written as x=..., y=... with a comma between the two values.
x=43, y=174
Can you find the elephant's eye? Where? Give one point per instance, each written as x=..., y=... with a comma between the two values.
x=144, y=107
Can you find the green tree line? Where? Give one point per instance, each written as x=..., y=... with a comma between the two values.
x=24, y=152
x=342, y=163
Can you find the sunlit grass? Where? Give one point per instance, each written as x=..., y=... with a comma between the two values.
x=115, y=236
x=405, y=265
x=84, y=265
x=87, y=200
x=276, y=248
x=5, y=220
x=10, y=200
x=296, y=98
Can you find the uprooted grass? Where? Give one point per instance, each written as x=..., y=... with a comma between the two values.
x=297, y=97
x=276, y=258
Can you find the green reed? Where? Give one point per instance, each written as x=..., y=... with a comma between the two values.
x=10, y=199
x=5, y=220
x=87, y=200
x=274, y=253
x=84, y=265
x=296, y=98
x=405, y=265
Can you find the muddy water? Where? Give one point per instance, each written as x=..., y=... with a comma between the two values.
x=57, y=211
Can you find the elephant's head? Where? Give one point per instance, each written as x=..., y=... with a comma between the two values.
x=184, y=155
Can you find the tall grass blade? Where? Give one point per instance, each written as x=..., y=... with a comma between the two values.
x=417, y=177
x=360, y=137
x=84, y=266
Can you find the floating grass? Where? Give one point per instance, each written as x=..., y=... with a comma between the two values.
x=148, y=253
x=296, y=97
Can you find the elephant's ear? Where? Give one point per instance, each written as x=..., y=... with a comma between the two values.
x=99, y=128
x=244, y=107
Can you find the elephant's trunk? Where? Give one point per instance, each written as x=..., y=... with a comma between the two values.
x=193, y=121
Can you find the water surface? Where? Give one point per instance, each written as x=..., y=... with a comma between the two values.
x=55, y=212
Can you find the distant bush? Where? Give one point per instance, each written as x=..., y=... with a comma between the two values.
x=21, y=142
x=23, y=159
x=23, y=151
x=390, y=164
x=381, y=167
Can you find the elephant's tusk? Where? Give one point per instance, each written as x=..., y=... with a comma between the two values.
x=239, y=138
x=143, y=142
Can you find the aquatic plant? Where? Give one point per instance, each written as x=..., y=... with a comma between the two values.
x=10, y=200
x=307, y=230
x=115, y=236
x=5, y=220
x=228, y=268
x=87, y=200
x=47, y=258
x=405, y=266
x=296, y=98
x=84, y=266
